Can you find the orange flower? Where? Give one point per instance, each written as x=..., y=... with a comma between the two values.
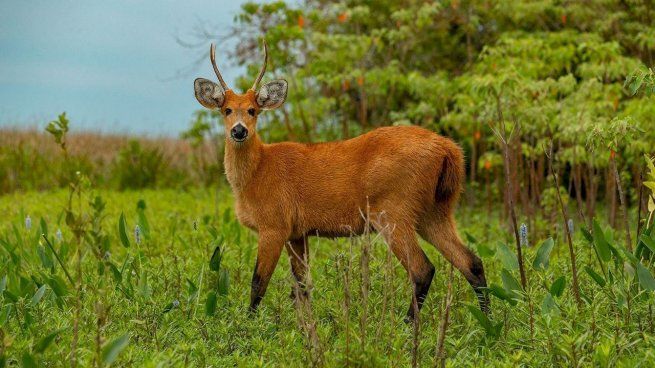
x=301, y=21
x=343, y=17
x=487, y=165
x=477, y=135
x=360, y=80
x=612, y=154
x=564, y=19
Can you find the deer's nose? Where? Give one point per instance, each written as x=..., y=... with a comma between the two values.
x=239, y=132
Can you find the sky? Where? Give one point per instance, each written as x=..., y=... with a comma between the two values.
x=112, y=66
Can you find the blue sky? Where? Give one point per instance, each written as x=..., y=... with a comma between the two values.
x=111, y=65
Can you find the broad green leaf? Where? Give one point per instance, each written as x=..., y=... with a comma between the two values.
x=480, y=317
x=215, y=261
x=142, y=220
x=44, y=227
x=38, y=295
x=11, y=296
x=542, y=259
x=210, y=304
x=4, y=315
x=470, y=238
x=28, y=360
x=46, y=341
x=143, y=288
x=595, y=276
x=191, y=286
x=507, y=257
x=646, y=279
x=648, y=241
x=557, y=288
x=549, y=306
x=500, y=292
x=587, y=235
x=601, y=244
x=484, y=251
x=509, y=282
x=626, y=253
x=57, y=285
x=118, y=277
x=122, y=232
x=111, y=350
x=223, y=282
x=628, y=270
x=46, y=261
x=213, y=232
x=490, y=329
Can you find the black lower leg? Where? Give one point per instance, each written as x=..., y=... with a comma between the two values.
x=421, y=288
x=255, y=291
x=479, y=284
x=299, y=260
x=299, y=288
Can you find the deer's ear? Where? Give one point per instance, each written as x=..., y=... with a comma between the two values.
x=208, y=93
x=272, y=94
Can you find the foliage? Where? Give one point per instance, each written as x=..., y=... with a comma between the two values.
x=206, y=327
x=137, y=167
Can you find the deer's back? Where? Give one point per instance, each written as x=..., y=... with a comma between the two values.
x=322, y=187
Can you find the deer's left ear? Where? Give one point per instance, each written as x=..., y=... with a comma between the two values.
x=272, y=94
x=208, y=93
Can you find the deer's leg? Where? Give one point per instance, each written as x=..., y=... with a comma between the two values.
x=441, y=232
x=404, y=245
x=268, y=253
x=299, y=259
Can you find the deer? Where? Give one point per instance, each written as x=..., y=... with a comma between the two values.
x=289, y=191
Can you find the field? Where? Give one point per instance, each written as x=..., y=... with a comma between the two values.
x=155, y=294
x=120, y=250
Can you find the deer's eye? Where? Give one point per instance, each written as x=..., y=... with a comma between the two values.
x=228, y=111
x=251, y=111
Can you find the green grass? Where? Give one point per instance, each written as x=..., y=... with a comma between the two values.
x=162, y=268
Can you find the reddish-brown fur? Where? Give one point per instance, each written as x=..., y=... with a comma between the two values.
x=410, y=179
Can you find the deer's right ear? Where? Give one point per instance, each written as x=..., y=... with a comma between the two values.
x=272, y=94
x=208, y=93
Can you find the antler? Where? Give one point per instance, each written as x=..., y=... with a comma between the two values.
x=263, y=70
x=212, y=56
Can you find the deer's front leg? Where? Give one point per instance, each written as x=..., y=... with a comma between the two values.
x=268, y=253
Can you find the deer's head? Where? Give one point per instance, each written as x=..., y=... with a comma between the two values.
x=240, y=111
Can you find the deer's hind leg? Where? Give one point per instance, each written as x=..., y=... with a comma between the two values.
x=299, y=259
x=438, y=229
x=404, y=245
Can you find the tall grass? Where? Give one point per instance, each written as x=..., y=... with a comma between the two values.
x=30, y=160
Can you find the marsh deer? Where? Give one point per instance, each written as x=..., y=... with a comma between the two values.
x=288, y=191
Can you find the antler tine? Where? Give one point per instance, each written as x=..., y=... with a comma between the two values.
x=263, y=70
x=212, y=56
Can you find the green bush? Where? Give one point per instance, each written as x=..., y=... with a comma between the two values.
x=137, y=167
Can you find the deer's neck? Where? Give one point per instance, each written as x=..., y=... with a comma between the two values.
x=241, y=161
